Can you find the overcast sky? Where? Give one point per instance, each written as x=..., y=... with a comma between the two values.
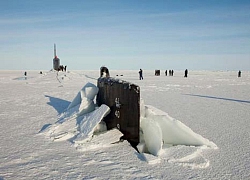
x=125, y=34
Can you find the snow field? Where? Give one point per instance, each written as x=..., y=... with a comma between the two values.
x=213, y=105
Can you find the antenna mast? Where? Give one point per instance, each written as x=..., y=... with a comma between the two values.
x=55, y=50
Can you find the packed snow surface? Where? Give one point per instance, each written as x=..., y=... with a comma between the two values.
x=191, y=128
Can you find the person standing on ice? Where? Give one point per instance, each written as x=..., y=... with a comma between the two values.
x=140, y=74
x=186, y=73
x=239, y=74
x=25, y=75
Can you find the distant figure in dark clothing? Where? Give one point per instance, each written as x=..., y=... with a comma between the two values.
x=25, y=74
x=172, y=73
x=166, y=72
x=140, y=75
x=186, y=73
x=239, y=74
x=65, y=68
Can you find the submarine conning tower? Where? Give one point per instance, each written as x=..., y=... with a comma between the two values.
x=56, y=60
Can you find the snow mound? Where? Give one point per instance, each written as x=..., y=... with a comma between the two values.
x=82, y=124
x=81, y=119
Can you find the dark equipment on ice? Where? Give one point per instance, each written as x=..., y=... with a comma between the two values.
x=123, y=98
x=157, y=72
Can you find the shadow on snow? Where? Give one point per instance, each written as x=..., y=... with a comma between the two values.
x=59, y=104
x=43, y=128
x=220, y=98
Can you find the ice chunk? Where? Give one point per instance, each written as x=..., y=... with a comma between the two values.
x=102, y=140
x=89, y=91
x=159, y=128
x=90, y=121
x=152, y=135
x=175, y=132
x=86, y=106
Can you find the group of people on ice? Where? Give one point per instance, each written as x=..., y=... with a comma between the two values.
x=171, y=73
x=157, y=73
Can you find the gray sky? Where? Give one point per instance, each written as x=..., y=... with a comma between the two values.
x=178, y=34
